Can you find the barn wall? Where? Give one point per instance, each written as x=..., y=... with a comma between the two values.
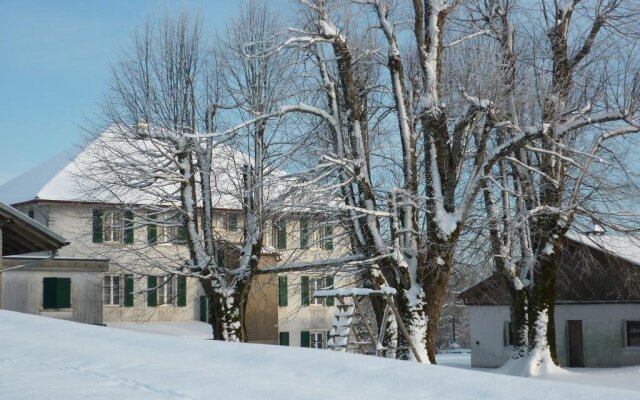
x=602, y=330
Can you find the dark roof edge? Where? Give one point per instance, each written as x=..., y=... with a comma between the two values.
x=34, y=224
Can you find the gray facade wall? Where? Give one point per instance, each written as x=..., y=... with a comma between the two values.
x=602, y=331
x=22, y=291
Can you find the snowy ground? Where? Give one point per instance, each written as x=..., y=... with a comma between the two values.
x=190, y=329
x=627, y=377
x=43, y=358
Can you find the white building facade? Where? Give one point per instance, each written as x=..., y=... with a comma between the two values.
x=138, y=242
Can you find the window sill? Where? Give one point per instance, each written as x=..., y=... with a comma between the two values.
x=631, y=348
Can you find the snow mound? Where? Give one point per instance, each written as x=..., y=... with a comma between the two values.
x=43, y=358
x=537, y=363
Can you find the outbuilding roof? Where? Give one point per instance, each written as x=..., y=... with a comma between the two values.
x=592, y=269
x=21, y=234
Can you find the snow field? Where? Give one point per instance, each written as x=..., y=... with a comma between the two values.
x=42, y=358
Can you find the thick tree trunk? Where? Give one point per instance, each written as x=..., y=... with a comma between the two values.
x=411, y=307
x=519, y=320
x=542, y=301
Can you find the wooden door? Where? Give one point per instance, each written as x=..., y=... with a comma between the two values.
x=575, y=346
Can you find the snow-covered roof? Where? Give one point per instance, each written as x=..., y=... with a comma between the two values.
x=44, y=181
x=623, y=246
x=78, y=175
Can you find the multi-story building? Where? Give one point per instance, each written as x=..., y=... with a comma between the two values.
x=138, y=243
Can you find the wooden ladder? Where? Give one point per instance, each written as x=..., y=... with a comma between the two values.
x=351, y=329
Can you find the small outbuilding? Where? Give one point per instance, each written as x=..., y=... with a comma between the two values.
x=597, y=311
x=41, y=283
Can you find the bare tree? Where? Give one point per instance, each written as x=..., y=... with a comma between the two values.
x=581, y=103
x=168, y=157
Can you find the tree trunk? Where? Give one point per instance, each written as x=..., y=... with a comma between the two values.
x=542, y=301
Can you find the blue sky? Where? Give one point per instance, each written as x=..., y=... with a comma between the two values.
x=55, y=58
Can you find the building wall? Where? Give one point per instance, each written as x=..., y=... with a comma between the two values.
x=262, y=310
x=265, y=318
x=74, y=222
x=23, y=288
x=488, y=349
x=295, y=317
x=602, y=332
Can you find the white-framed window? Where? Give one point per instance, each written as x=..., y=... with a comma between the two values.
x=232, y=222
x=112, y=226
x=326, y=237
x=313, y=236
x=172, y=231
x=165, y=229
x=316, y=284
x=316, y=340
x=166, y=290
x=632, y=333
x=112, y=290
x=308, y=237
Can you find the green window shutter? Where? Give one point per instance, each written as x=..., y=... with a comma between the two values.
x=329, y=285
x=182, y=291
x=152, y=291
x=204, y=312
x=284, y=339
x=282, y=234
x=97, y=226
x=304, y=292
x=305, y=339
x=283, y=289
x=49, y=293
x=328, y=234
x=152, y=231
x=128, y=290
x=181, y=234
x=128, y=227
x=64, y=293
x=304, y=234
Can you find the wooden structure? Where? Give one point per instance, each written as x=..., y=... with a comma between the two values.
x=20, y=234
x=351, y=328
